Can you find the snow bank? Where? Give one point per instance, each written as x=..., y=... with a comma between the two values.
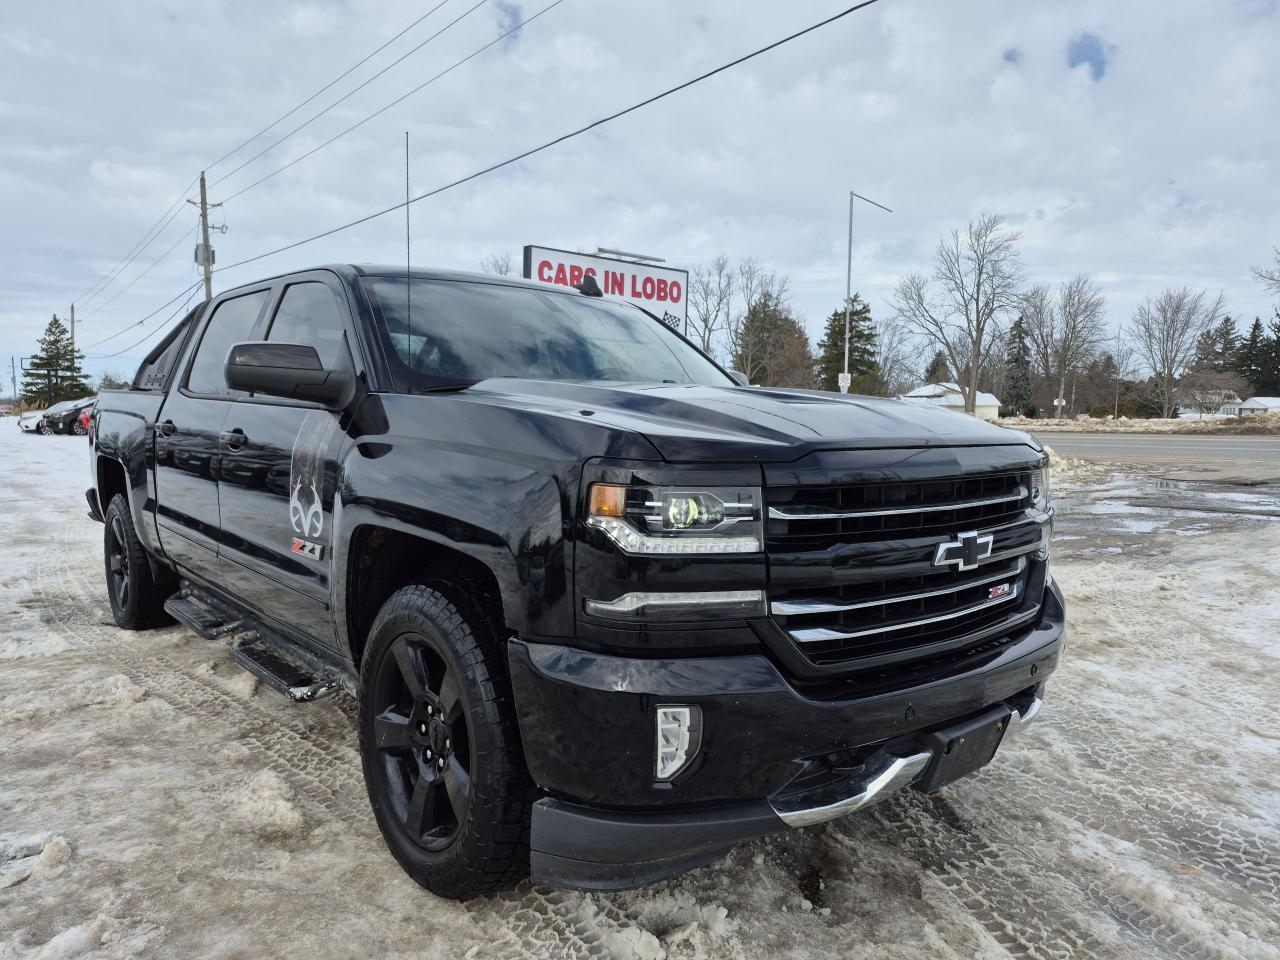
x=1261, y=423
x=268, y=804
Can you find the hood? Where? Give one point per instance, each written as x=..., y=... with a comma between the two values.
x=697, y=423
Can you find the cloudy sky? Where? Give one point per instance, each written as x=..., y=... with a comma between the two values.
x=1137, y=142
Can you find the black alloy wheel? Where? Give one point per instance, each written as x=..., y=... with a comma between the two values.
x=137, y=600
x=423, y=742
x=440, y=745
x=118, y=562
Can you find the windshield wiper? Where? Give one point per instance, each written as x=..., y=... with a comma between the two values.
x=447, y=387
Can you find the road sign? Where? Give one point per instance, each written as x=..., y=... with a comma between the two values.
x=844, y=379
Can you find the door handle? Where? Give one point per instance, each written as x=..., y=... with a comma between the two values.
x=234, y=439
x=166, y=428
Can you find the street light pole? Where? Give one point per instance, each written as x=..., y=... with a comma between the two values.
x=845, y=380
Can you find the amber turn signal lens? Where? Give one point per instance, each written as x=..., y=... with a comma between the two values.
x=607, y=500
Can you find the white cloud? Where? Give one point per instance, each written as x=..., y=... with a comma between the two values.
x=1164, y=169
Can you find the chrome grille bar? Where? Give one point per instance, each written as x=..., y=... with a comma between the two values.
x=794, y=608
x=822, y=513
x=819, y=634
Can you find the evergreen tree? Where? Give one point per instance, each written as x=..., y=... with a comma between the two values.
x=771, y=347
x=1269, y=379
x=1017, y=372
x=863, y=367
x=54, y=374
x=1251, y=358
x=938, y=371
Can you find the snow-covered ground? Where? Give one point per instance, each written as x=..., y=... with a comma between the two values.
x=154, y=802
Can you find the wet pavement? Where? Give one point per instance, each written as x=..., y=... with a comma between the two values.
x=1141, y=514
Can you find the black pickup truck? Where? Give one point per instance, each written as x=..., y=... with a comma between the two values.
x=605, y=609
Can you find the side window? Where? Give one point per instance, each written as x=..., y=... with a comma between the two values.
x=310, y=313
x=153, y=373
x=232, y=322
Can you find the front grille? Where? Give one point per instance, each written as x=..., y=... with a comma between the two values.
x=853, y=571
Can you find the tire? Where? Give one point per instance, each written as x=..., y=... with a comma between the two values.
x=44, y=430
x=137, y=601
x=440, y=747
x=78, y=430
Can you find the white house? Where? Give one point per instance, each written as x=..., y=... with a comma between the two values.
x=1260, y=405
x=949, y=396
x=1226, y=403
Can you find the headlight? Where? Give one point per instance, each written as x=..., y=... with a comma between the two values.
x=1040, y=488
x=662, y=521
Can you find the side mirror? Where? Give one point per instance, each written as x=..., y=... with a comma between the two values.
x=740, y=378
x=289, y=370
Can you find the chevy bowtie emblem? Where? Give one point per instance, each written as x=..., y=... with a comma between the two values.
x=966, y=550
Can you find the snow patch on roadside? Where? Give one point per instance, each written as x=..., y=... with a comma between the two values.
x=24, y=858
x=268, y=803
x=103, y=938
x=116, y=690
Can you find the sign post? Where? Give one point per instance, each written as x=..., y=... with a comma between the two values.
x=663, y=291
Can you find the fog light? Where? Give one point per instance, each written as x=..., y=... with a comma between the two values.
x=679, y=732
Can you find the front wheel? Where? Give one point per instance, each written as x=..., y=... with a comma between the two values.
x=137, y=601
x=440, y=749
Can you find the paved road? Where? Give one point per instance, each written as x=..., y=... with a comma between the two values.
x=1186, y=451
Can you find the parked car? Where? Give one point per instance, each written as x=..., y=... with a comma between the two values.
x=29, y=422
x=63, y=417
x=606, y=610
x=68, y=421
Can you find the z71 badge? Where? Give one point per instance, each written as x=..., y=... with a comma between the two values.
x=305, y=548
x=999, y=590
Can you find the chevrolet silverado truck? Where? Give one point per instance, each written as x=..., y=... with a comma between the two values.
x=605, y=609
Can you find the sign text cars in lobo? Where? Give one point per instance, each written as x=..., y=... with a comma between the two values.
x=660, y=290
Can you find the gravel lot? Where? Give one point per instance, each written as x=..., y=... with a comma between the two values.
x=155, y=802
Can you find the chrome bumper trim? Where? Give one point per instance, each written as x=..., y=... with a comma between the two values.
x=1022, y=719
x=887, y=775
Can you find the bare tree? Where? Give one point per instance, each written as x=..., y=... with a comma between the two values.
x=1208, y=390
x=710, y=299
x=979, y=278
x=1165, y=329
x=1270, y=276
x=1064, y=332
x=751, y=344
x=896, y=356
x=497, y=263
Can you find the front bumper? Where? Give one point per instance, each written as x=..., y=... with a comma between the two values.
x=770, y=757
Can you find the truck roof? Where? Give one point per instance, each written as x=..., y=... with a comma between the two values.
x=352, y=270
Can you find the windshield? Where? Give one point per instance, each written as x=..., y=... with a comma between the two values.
x=449, y=331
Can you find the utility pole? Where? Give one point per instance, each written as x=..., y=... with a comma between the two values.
x=13, y=379
x=844, y=378
x=206, y=256
x=204, y=252
x=73, y=333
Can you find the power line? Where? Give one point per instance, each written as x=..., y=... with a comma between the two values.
x=560, y=139
x=475, y=53
x=135, y=251
x=138, y=323
x=352, y=92
x=155, y=263
x=341, y=76
x=106, y=279
x=149, y=334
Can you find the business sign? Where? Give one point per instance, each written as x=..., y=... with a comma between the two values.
x=662, y=291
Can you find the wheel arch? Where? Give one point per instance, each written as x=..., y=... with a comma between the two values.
x=381, y=559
